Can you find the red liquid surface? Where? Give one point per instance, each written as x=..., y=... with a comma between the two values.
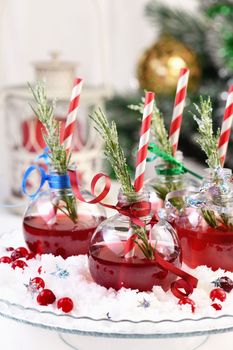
x=210, y=247
x=62, y=238
x=113, y=270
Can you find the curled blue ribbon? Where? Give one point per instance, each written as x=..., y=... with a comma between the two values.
x=26, y=176
x=55, y=181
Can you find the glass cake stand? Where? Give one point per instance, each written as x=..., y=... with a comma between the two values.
x=85, y=333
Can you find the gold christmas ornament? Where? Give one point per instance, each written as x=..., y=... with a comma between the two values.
x=158, y=68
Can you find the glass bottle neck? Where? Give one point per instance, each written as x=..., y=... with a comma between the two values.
x=217, y=175
x=136, y=204
x=58, y=181
x=217, y=181
x=168, y=171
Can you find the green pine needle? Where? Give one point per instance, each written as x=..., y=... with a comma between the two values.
x=206, y=138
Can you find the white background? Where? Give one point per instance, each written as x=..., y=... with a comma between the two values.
x=82, y=30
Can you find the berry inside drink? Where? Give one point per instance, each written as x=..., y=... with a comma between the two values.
x=63, y=238
x=206, y=246
x=110, y=268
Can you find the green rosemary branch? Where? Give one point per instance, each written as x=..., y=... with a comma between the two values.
x=157, y=127
x=58, y=157
x=209, y=144
x=143, y=243
x=113, y=151
x=161, y=136
x=207, y=139
x=45, y=113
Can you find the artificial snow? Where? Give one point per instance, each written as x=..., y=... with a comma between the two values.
x=71, y=278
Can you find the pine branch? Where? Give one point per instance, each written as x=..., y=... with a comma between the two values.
x=188, y=28
x=207, y=139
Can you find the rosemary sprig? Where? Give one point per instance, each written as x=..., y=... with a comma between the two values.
x=57, y=153
x=115, y=155
x=45, y=113
x=143, y=243
x=207, y=139
x=158, y=127
x=162, y=139
x=113, y=151
x=210, y=217
x=161, y=136
x=160, y=132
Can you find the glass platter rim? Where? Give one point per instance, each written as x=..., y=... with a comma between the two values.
x=115, y=334
x=76, y=331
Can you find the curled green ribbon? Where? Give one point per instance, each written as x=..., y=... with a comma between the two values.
x=178, y=168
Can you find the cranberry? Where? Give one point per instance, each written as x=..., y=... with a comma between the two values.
x=30, y=256
x=15, y=255
x=186, y=300
x=18, y=253
x=46, y=297
x=9, y=249
x=5, y=260
x=37, y=283
x=225, y=283
x=218, y=293
x=19, y=263
x=216, y=306
x=66, y=304
x=39, y=270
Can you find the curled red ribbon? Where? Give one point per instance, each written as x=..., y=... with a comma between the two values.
x=134, y=211
x=96, y=178
x=186, y=282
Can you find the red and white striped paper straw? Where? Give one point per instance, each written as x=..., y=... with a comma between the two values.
x=178, y=108
x=51, y=217
x=226, y=127
x=141, y=160
x=144, y=141
x=72, y=114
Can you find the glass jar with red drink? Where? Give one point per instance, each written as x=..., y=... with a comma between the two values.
x=168, y=177
x=205, y=223
x=121, y=250
x=55, y=222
